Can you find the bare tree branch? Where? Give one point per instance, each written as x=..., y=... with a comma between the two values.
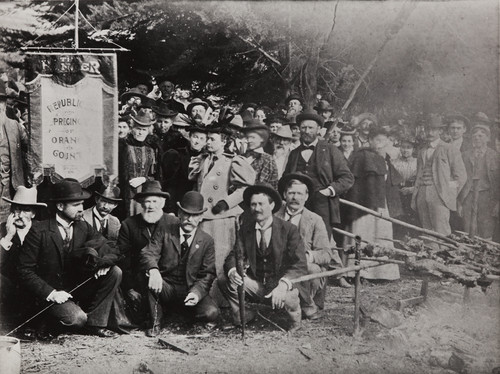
x=260, y=49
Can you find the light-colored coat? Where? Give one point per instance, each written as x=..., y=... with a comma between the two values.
x=113, y=224
x=448, y=171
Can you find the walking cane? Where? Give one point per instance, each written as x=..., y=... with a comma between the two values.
x=241, y=271
x=48, y=306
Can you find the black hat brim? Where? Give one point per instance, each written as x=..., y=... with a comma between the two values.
x=115, y=200
x=188, y=211
x=84, y=196
x=139, y=195
x=259, y=188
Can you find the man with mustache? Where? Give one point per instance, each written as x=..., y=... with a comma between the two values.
x=13, y=232
x=282, y=143
x=364, y=122
x=99, y=216
x=62, y=252
x=197, y=110
x=325, y=164
x=136, y=233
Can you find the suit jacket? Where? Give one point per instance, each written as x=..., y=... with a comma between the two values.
x=20, y=162
x=164, y=253
x=134, y=236
x=448, y=171
x=8, y=258
x=313, y=233
x=113, y=224
x=226, y=180
x=289, y=254
x=332, y=170
x=492, y=170
x=41, y=265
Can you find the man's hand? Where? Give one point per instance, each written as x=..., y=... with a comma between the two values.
x=406, y=190
x=278, y=295
x=234, y=277
x=191, y=299
x=326, y=192
x=11, y=228
x=134, y=296
x=59, y=297
x=136, y=182
x=101, y=272
x=155, y=280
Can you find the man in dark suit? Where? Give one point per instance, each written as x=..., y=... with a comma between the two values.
x=274, y=255
x=180, y=265
x=60, y=253
x=325, y=165
x=135, y=234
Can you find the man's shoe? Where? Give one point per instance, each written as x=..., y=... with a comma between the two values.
x=344, y=284
x=99, y=331
x=153, y=332
x=315, y=316
x=295, y=327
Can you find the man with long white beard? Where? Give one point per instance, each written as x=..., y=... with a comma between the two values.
x=282, y=140
x=136, y=233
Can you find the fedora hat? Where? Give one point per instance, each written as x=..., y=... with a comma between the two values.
x=142, y=118
x=109, y=193
x=192, y=203
x=151, y=188
x=310, y=115
x=25, y=196
x=196, y=101
x=435, y=122
x=265, y=188
x=163, y=110
x=300, y=177
x=284, y=132
x=324, y=106
x=69, y=189
x=133, y=92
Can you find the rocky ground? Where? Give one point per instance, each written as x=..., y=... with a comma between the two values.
x=443, y=335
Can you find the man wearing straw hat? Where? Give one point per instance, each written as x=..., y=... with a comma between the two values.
x=13, y=232
x=60, y=253
x=99, y=216
x=180, y=266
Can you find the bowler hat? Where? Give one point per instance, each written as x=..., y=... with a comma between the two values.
x=192, y=203
x=163, y=110
x=324, y=106
x=264, y=188
x=133, y=92
x=284, y=132
x=300, y=177
x=310, y=115
x=142, y=118
x=294, y=97
x=435, y=122
x=195, y=102
x=68, y=190
x=109, y=193
x=25, y=196
x=151, y=188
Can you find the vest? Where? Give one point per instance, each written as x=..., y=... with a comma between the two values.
x=427, y=177
x=265, y=264
x=178, y=275
x=480, y=173
x=308, y=168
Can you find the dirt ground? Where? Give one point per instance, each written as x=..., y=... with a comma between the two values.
x=423, y=342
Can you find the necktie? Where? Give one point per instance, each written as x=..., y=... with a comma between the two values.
x=185, y=245
x=67, y=239
x=214, y=158
x=307, y=147
x=262, y=244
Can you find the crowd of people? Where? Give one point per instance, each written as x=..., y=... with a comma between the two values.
x=203, y=186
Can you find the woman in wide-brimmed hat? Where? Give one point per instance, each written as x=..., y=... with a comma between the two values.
x=137, y=161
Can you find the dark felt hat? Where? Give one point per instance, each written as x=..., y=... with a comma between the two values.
x=109, y=193
x=300, y=177
x=195, y=102
x=311, y=115
x=255, y=125
x=151, y=188
x=265, y=188
x=68, y=190
x=133, y=92
x=192, y=203
x=294, y=97
x=196, y=128
x=324, y=106
x=162, y=109
x=142, y=118
x=435, y=122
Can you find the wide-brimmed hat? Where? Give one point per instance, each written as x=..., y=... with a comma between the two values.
x=109, y=193
x=294, y=97
x=25, y=196
x=323, y=106
x=310, y=115
x=255, y=125
x=162, y=109
x=284, y=132
x=68, y=189
x=482, y=127
x=236, y=123
x=435, y=122
x=151, y=188
x=218, y=128
x=192, y=203
x=265, y=188
x=300, y=177
x=356, y=120
x=195, y=102
x=133, y=92
x=196, y=128
x=142, y=118
x=448, y=119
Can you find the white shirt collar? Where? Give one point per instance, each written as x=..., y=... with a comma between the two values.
x=191, y=237
x=62, y=222
x=294, y=214
x=259, y=150
x=98, y=216
x=266, y=225
x=313, y=144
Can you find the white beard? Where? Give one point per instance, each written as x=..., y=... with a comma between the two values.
x=152, y=217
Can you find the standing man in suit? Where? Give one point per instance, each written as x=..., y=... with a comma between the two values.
x=54, y=259
x=99, y=216
x=181, y=266
x=136, y=233
x=274, y=255
x=325, y=165
x=441, y=175
x=478, y=202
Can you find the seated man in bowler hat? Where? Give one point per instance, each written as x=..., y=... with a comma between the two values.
x=180, y=265
x=60, y=253
x=99, y=216
x=274, y=255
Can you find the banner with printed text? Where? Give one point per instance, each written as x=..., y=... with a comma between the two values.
x=73, y=111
